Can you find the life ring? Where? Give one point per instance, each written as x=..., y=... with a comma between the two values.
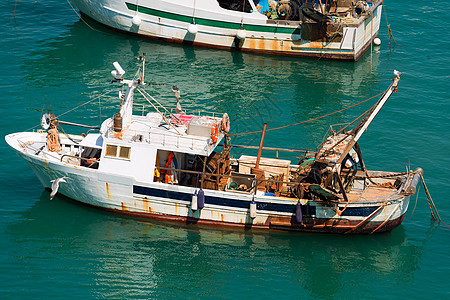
x=225, y=123
x=214, y=132
x=46, y=121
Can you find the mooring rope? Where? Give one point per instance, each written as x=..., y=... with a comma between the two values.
x=81, y=18
x=430, y=202
x=14, y=13
x=415, y=203
x=390, y=35
x=310, y=120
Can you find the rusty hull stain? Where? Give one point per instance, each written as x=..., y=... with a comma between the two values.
x=107, y=191
x=145, y=203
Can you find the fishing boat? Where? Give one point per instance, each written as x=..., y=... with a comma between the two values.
x=177, y=165
x=338, y=29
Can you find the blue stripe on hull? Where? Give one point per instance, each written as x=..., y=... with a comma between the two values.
x=222, y=201
x=359, y=211
x=307, y=210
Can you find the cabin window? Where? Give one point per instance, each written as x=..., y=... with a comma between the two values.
x=111, y=150
x=118, y=151
x=124, y=152
x=236, y=5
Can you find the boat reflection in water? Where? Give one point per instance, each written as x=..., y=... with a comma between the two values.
x=122, y=257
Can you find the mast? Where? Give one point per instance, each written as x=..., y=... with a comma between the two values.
x=126, y=108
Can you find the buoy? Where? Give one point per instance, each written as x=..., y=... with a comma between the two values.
x=193, y=28
x=253, y=209
x=298, y=212
x=241, y=34
x=201, y=199
x=377, y=41
x=136, y=21
x=214, y=133
x=194, y=203
x=225, y=123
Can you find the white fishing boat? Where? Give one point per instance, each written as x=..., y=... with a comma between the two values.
x=341, y=29
x=174, y=166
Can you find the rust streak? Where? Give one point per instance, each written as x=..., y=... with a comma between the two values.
x=107, y=191
x=261, y=43
x=145, y=202
x=250, y=43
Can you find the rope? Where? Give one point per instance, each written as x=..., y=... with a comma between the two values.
x=143, y=92
x=430, y=202
x=81, y=18
x=14, y=13
x=68, y=136
x=53, y=144
x=310, y=120
x=390, y=35
x=87, y=102
x=366, y=219
x=251, y=83
x=387, y=219
x=35, y=126
x=415, y=204
x=386, y=175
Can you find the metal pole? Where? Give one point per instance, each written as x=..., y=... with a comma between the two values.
x=258, y=158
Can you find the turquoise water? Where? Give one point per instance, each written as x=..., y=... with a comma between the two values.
x=60, y=249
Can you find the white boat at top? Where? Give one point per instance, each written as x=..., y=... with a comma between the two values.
x=341, y=29
x=172, y=166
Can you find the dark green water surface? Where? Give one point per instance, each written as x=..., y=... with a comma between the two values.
x=61, y=249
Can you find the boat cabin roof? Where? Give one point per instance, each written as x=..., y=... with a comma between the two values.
x=180, y=133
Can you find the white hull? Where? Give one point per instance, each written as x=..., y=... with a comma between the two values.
x=217, y=27
x=126, y=195
x=153, y=165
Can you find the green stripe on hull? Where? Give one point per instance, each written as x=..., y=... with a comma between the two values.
x=212, y=23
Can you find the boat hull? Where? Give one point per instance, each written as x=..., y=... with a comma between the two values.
x=127, y=196
x=273, y=223
x=169, y=21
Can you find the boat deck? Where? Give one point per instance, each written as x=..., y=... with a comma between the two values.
x=372, y=193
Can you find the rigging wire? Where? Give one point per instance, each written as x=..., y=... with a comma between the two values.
x=252, y=83
x=310, y=120
x=87, y=102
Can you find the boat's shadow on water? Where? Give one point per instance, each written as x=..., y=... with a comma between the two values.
x=143, y=251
